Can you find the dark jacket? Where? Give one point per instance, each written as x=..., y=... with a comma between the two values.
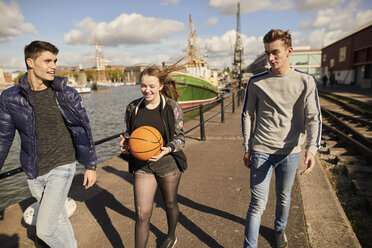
x=17, y=113
x=172, y=116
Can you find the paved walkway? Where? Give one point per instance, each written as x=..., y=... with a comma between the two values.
x=213, y=199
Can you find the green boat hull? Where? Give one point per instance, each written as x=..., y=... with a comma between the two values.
x=194, y=90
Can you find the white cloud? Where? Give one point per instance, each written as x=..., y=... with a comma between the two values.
x=12, y=64
x=120, y=56
x=336, y=18
x=331, y=20
x=319, y=38
x=283, y=5
x=170, y=2
x=67, y=58
x=250, y=6
x=331, y=24
x=231, y=7
x=218, y=46
x=133, y=59
x=12, y=22
x=295, y=34
x=345, y=18
x=309, y=5
x=362, y=17
x=220, y=49
x=323, y=18
x=211, y=21
x=125, y=29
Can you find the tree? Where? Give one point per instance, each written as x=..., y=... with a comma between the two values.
x=17, y=78
x=115, y=75
x=90, y=75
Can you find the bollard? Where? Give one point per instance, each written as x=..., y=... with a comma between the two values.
x=241, y=93
x=233, y=102
x=222, y=111
x=202, y=131
x=238, y=98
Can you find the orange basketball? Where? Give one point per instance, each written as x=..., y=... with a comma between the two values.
x=145, y=142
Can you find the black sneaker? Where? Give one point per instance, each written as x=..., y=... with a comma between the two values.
x=169, y=243
x=281, y=239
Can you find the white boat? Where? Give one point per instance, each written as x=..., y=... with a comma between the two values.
x=80, y=85
x=130, y=83
x=83, y=90
x=117, y=84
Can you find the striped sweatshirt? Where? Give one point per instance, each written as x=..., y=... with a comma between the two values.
x=279, y=111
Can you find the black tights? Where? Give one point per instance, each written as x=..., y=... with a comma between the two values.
x=144, y=192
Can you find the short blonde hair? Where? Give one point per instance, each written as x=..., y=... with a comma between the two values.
x=278, y=34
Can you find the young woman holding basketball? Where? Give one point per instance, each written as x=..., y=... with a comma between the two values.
x=157, y=108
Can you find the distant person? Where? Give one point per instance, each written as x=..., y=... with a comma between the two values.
x=332, y=79
x=157, y=108
x=280, y=107
x=55, y=132
x=325, y=80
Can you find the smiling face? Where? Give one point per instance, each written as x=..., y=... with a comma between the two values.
x=277, y=54
x=150, y=88
x=44, y=66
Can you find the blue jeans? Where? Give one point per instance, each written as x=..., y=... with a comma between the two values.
x=262, y=166
x=50, y=190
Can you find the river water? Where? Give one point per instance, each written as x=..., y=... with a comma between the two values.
x=105, y=109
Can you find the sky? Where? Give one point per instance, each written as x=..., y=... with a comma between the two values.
x=155, y=31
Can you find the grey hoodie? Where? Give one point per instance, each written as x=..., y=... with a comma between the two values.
x=278, y=111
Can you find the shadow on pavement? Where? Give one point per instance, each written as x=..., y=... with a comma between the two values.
x=10, y=241
x=197, y=206
x=268, y=234
x=97, y=200
x=183, y=220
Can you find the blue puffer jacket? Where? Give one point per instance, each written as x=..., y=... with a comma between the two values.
x=17, y=113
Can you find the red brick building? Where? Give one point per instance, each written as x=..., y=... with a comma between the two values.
x=350, y=58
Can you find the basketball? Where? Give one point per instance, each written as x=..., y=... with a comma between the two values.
x=145, y=142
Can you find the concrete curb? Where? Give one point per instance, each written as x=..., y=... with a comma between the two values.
x=326, y=221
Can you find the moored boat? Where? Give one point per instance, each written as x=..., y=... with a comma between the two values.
x=79, y=84
x=83, y=90
x=193, y=90
x=196, y=85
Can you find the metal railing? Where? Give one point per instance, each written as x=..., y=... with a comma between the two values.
x=220, y=101
x=201, y=124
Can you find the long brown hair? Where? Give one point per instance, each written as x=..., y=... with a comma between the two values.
x=169, y=85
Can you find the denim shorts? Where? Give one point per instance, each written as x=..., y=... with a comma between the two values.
x=160, y=168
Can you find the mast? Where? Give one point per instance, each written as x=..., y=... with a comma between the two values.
x=238, y=52
x=192, y=52
x=100, y=62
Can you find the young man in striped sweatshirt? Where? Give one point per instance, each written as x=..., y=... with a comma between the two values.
x=280, y=109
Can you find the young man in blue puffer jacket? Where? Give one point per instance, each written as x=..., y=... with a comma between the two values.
x=54, y=130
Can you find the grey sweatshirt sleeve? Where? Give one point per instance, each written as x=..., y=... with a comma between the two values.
x=247, y=118
x=313, y=118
